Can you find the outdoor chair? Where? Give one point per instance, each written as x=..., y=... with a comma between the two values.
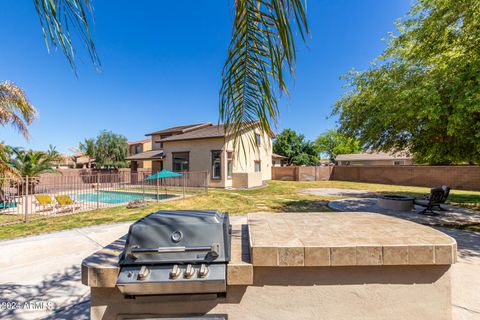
x=45, y=202
x=446, y=193
x=433, y=200
x=67, y=203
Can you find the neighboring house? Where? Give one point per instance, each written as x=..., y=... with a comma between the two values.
x=205, y=147
x=138, y=147
x=82, y=161
x=278, y=160
x=65, y=161
x=373, y=159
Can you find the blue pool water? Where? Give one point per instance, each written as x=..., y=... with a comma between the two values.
x=112, y=197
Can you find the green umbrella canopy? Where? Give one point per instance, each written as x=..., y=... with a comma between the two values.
x=163, y=174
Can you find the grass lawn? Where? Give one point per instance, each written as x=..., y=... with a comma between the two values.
x=278, y=196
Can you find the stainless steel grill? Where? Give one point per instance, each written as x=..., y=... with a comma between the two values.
x=176, y=252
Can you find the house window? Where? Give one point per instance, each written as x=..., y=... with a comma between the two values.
x=180, y=161
x=216, y=164
x=258, y=139
x=161, y=138
x=229, y=164
x=258, y=166
x=137, y=149
x=398, y=162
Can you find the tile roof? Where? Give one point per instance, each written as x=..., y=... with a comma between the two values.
x=181, y=129
x=274, y=155
x=211, y=131
x=372, y=156
x=147, y=155
x=139, y=141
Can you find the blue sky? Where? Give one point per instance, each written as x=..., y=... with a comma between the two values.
x=162, y=62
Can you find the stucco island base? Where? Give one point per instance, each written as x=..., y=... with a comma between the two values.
x=414, y=288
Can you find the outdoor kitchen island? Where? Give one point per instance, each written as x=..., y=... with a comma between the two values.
x=327, y=265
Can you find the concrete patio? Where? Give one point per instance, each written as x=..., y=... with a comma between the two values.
x=47, y=268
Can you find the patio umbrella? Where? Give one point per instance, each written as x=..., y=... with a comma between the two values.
x=164, y=174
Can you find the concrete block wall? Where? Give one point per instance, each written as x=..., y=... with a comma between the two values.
x=457, y=177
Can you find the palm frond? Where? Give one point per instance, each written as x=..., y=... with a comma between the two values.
x=58, y=18
x=33, y=163
x=15, y=109
x=253, y=77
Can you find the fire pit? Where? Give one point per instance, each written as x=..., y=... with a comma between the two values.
x=396, y=202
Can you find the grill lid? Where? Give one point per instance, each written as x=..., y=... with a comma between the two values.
x=167, y=237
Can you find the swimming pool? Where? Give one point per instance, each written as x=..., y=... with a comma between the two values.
x=112, y=197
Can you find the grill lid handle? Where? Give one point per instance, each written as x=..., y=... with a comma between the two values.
x=214, y=249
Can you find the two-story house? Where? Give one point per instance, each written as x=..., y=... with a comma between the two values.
x=206, y=147
x=137, y=147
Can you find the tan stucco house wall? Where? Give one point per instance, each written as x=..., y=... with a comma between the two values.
x=143, y=146
x=251, y=165
x=243, y=160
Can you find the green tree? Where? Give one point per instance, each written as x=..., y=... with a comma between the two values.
x=333, y=143
x=87, y=149
x=296, y=148
x=260, y=57
x=32, y=164
x=108, y=149
x=423, y=92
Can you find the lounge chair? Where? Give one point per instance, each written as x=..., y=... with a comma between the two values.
x=433, y=200
x=45, y=202
x=64, y=201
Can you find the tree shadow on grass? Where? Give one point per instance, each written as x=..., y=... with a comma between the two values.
x=303, y=206
x=57, y=296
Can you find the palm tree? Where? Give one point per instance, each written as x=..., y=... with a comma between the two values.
x=7, y=170
x=15, y=109
x=32, y=164
x=261, y=54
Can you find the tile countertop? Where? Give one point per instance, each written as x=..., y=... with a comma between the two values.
x=344, y=239
x=101, y=268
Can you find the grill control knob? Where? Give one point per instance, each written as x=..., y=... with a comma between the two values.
x=175, y=272
x=189, y=272
x=143, y=273
x=203, y=272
